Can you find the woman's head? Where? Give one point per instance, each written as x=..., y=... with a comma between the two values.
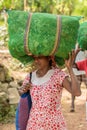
x=44, y=61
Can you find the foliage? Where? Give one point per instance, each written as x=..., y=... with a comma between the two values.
x=81, y=8
x=11, y=4
x=8, y=113
x=67, y=7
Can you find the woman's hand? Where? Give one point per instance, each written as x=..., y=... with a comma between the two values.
x=72, y=86
x=24, y=89
x=70, y=61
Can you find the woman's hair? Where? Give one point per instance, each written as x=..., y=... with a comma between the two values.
x=52, y=61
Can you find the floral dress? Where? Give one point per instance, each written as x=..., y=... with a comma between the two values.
x=46, y=95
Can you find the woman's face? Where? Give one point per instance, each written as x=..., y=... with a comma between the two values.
x=41, y=61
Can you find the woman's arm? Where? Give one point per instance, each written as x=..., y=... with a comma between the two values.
x=71, y=85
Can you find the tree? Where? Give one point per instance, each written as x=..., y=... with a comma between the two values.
x=11, y=4
x=81, y=8
x=63, y=7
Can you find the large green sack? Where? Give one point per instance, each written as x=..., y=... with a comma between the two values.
x=82, y=36
x=41, y=34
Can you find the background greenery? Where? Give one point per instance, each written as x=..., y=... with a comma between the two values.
x=68, y=7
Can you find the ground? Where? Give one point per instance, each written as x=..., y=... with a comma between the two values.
x=75, y=120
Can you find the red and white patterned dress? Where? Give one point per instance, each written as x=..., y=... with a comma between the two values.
x=46, y=95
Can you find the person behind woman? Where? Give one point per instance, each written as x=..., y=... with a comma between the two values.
x=80, y=61
x=46, y=87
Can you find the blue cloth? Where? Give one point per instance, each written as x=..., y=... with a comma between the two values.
x=23, y=110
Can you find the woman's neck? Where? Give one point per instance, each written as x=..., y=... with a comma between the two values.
x=42, y=72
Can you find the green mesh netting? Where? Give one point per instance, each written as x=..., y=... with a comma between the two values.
x=42, y=35
x=82, y=36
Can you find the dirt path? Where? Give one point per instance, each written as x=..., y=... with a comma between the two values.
x=75, y=121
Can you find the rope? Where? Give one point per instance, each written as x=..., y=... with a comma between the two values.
x=26, y=48
x=56, y=45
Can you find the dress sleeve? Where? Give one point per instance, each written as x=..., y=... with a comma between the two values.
x=26, y=80
x=61, y=76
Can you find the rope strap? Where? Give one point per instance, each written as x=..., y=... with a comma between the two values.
x=58, y=32
x=56, y=45
x=26, y=48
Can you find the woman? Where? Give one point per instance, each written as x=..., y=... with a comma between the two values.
x=46, y=87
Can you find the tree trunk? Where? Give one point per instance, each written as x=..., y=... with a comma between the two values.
x=25, y=5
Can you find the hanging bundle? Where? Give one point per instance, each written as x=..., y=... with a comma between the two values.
x=41, y=34
x=82, y=36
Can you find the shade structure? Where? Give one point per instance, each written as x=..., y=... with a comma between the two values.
x=41, y=34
